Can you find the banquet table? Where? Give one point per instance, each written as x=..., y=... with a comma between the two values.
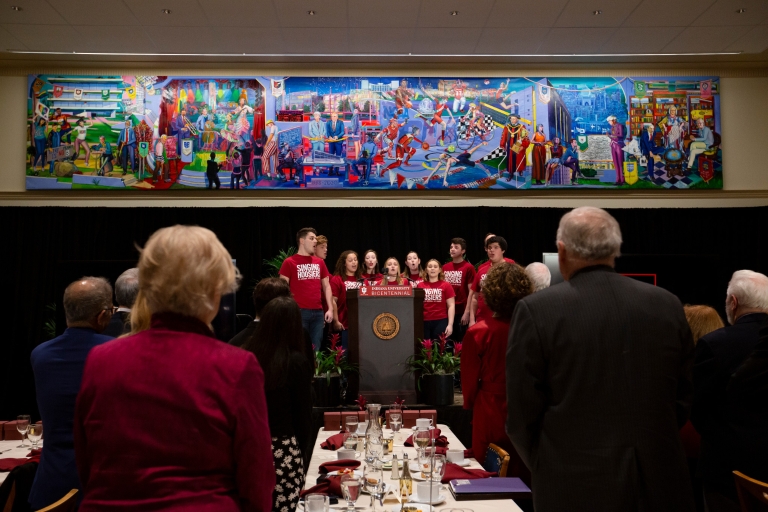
x=319, y=456
x=14, y=453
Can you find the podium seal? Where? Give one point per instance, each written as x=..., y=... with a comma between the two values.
x=386, y=326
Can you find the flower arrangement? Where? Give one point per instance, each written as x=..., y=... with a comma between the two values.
x=435, y=358
x=333, y=360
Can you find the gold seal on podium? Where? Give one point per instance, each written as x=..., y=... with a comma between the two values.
x=386, y=326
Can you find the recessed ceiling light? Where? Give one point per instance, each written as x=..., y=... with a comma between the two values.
x=16, y=8
x=454, y=13
x=741, y=11
x=166, y=11
x=311, y=13
x=597, y=12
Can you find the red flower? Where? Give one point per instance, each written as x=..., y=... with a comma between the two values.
x=339, y=354
x=361, y=401
x=457, y=349
x=427, y=344
x=399, y=402
x=334, y=340
x=443, y=343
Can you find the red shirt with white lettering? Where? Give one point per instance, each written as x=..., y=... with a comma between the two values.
x=339, y=289
x=483, y=311
x=415, y=279
x=436, y=297
x=304, y=274
x=460, y=276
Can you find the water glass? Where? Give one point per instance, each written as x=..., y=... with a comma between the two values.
x=22, y=425
x=35, y=433
x=373, y=479
x=350, y=487
x=316, y=503
x=421, y=439
x=351, y=424
x=432, y=466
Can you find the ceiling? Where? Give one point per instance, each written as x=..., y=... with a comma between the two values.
x=282, y=30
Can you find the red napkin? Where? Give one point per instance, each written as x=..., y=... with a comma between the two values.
x=440, y=441
x=336, y=465
x=9, y=464
x=328, y=485
x=35, y=453
x=334, y=442
x=454, y=472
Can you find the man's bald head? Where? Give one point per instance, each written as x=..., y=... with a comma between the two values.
x=539, y=275
x=85, y=299
x=587, y=236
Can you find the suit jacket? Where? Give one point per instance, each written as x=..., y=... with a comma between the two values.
x=648, y=145
x=58, y=368
x=598, y=384
x=240, y=338
x=338, y=132
x=173, y=419
x=728, y=427
x=118, y=325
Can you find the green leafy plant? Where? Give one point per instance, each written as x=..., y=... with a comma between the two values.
x=434, y=358
x=275, y=262
x=333, y=360
x=49, y=326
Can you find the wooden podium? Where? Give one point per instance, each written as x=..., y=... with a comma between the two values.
x=384, y=325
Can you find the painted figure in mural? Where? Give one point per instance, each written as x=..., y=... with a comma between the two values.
x=246, y=153
x=502, y=89
x=389, y=135
x=54, y=141
x=212, y=172
x=702, y=143
x=184, y=127
x=258, y=120
x=107, y=157
x=649, y=149
x=258, y=152
x=126, y=141
x=404, y=150
x=287, y=160
x=403, y=97
x=447, y=160
x=81, y=130
x=228, y=132
x=143, y=134
x=200, y=125
x=162, y=165
x=354, y=130
x=270, y=149
x=242, y=126
x=237, y=172
x=334, y=130
x=441, y=107
x=317, y=133
x=570, y=159
x=555, y=154
x=673, y=127
x=514, y=142
x=539, y=156
x=616, y=134
x=474, y=114
x=39, y=128
x=459, y=95
x=166, y=112
x=365, y=156
x=66, y=128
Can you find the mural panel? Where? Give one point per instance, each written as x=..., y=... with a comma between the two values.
x=384, y=133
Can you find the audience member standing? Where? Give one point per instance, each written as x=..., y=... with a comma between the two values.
x=267, y=289
x=726, y=443
x=539, y=275
x=598, y=382
x=170, y=418
x=126, y=289
x=308, y=278
x=288, y=376
x=483, y=356
x=459, y=273
x=58, y=368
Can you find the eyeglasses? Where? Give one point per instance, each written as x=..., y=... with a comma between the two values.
x=112, y=310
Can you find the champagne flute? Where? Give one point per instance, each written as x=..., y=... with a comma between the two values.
x=35, y=433
x=22, y=425
x=350, y=487
x=373, y=477
x=421, y=438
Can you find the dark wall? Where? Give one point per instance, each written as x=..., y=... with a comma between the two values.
x=694, y=252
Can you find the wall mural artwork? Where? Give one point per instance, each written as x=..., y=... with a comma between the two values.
x=383, y=133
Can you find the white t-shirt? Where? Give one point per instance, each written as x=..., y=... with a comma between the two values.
x=81, y=131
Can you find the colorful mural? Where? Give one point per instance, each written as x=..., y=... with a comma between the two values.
x=383, y=133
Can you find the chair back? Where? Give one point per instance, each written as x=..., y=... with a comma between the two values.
x=65, y=504
x=753, y=494
x=496, y=460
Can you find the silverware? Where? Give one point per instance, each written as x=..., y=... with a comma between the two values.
x=3, y=451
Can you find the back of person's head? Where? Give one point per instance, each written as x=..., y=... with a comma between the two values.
x=268, y=289
x=539, y=275
x=182, y=269
x=85, y=299
x=702, y=320
x=279, y=334
x=504, y=285
x=590, y=234
x=497, y=240
x=127, y=288
x=213, y=156
x=750, y=290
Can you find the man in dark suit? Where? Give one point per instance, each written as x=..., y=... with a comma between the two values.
x=729, y=427
x=334, y=128
x=126, y=290
x=649, y=149
x=598, y=382
x=58, y=367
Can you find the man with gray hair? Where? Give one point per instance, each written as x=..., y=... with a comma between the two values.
x=58, y=368
x=539, y=275
x=598, y=382
x=126, y=290
x=730, y=437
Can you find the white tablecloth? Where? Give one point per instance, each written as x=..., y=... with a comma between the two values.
x=14, y=453
x=319, y=456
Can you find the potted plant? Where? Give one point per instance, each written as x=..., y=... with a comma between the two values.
x=434, y=367
x=330, y=366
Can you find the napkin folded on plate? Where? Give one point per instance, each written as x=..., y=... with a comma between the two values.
x=328, y=485
x=455, y=472
x=440, y=441
x=334, y=442
x=9, y=464
x=338, y=465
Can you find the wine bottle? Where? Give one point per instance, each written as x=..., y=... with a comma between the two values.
x=406, y=482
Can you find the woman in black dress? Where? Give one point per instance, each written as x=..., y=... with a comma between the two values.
x=278, y=345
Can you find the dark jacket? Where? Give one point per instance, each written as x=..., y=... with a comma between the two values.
x=598, y=384
x=732, y=425
x=118, y=325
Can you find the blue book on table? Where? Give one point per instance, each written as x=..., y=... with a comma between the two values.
x=489, y=489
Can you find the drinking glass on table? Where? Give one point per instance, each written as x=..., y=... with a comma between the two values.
x=350, y=487
x=432, y=465
x=421, y=439
x=351, y=424
x=373, y=479
x=22, y=425
x=35, y=433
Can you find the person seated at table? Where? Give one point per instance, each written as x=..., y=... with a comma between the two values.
x=483, y=357
x=169, y=418
x=278, y=346
x=58, y=368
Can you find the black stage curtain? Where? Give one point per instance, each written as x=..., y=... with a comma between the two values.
x=694, y=250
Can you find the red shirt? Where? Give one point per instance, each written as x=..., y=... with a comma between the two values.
x=460, y=276
x=415, y=279
x=483, y=312
x=304, y=274
x=372, y=277
x=436, y=297
x=339, y=289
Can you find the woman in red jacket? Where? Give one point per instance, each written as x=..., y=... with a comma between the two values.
x=170, y=418
x=483, y=356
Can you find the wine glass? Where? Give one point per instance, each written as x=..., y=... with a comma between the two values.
x=22, y=425
x=34, y=433
x=432, y=465
x=421, y=439
x=350, y=487
x=373, y=479
x=351, y=424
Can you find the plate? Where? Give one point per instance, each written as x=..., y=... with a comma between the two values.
x=387, y=488
x=463, y=463
x=356, y=472
x=413, y=508
x=435, y=500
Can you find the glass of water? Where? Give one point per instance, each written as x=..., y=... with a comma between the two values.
x=35, y=433
x=350, y=487
x=22, y=425
x=373, y=478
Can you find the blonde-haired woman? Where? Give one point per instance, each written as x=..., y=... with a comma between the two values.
x=169, y=417
x=392, y=274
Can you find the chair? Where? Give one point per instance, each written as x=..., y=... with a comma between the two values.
x=496, y=460
x=753, y=494
x=65, y=504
